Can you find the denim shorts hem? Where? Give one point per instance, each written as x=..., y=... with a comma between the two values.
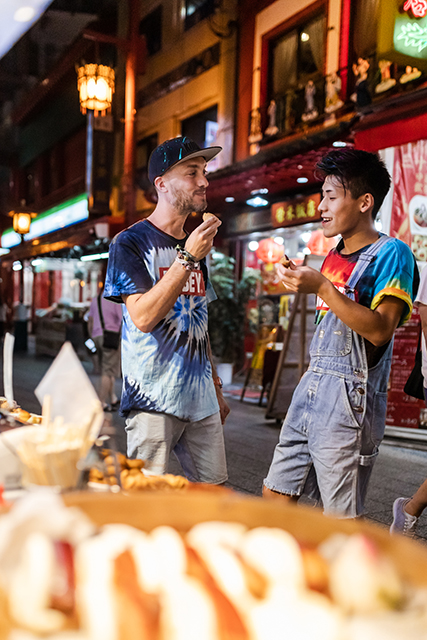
x=292, y=494
x=219, y=481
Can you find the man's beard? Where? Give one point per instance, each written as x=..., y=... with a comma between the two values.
x=184, y=203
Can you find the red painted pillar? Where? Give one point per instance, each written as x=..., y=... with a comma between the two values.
x=132, y=65
x=345, y=45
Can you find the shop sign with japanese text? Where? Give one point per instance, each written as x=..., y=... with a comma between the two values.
x=296, y=211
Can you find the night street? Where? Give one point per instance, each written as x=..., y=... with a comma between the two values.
x=205, y=200
x=250, y=441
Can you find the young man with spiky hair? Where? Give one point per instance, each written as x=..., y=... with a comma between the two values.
x=335, y=423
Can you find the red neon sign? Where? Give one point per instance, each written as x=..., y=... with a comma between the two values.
x=418, y=7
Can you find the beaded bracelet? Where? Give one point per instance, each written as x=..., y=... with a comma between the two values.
x=189, y=265
x=186, y=255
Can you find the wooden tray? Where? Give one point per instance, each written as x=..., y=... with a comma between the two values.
x=183, y=510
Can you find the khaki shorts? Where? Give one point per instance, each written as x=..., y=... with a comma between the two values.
x=108, y=359
x=199, y=446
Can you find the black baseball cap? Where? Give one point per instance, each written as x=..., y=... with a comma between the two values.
x=173, y=152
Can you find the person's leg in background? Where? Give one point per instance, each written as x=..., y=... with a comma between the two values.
x=110, y=370
x=406, y=511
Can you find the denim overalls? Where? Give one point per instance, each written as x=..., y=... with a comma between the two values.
x=335, y=423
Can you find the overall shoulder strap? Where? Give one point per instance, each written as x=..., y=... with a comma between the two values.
x=365, y=260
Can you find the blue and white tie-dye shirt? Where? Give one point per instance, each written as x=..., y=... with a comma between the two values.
x=168, y=369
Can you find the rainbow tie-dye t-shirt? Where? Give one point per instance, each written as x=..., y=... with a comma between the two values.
x=166, y=370
x=393, y=272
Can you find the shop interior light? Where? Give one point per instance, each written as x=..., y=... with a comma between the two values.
x=253, y=245
x=229, y=199
x=94, y=256
x=3, y=252
x=302, y=180
x=257, y=192
x=17, y=265
x=95, y=83
x=305, y=237
x=305, y=37
x=257, y=201
x=306, y=251
x=279, y=240
x=339, y=143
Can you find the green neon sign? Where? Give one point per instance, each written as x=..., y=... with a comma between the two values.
x=410, y=37
x=59, y=217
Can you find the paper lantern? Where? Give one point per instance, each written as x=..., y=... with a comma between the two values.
x=269, y=251
x=95, y=83
x=319, y=245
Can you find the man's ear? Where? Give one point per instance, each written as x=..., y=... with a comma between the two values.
x=160, y=184
x=367, y=202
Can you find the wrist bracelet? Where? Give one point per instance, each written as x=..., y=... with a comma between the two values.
x=186, y=255
x=189, y=265
x=218, y=382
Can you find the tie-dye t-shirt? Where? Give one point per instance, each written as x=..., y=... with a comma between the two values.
x=392, y=273
x=168, y=369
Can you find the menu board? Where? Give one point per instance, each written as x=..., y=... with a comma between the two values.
x=404, y=410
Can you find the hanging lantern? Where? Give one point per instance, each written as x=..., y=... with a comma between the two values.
x=319, y=245
x=21, y=222
x=269, y=251
x=95, y=83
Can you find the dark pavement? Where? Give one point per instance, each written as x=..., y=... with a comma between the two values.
x=250, y=442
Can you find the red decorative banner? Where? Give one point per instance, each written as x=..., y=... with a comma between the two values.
x=404, y=410
x=409, y=210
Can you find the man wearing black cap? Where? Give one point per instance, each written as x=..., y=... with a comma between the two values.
x=172, y=397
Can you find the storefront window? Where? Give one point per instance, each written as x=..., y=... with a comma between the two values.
x=296, y=83
x=304, y=243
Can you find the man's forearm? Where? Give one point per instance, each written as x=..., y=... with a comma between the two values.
x=210, y=356
x=147, y=309
x=376, y=326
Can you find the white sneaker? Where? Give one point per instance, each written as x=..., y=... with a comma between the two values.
x=402, y=522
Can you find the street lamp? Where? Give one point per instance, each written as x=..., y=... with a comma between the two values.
x=95, y=83
x=21, y=222
x=134, y=48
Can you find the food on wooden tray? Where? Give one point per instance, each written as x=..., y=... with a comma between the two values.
x=131, y=474
x=61, y=575
x=135, y=479
x=19, y=414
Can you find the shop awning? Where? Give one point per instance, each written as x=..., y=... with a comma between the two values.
x=276, y=167
x=397, y=122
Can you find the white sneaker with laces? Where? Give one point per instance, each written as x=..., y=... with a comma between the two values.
x=402, y=522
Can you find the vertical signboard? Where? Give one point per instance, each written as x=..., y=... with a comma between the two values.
x=404, y=410
x=101, y=166
x=409, y=210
